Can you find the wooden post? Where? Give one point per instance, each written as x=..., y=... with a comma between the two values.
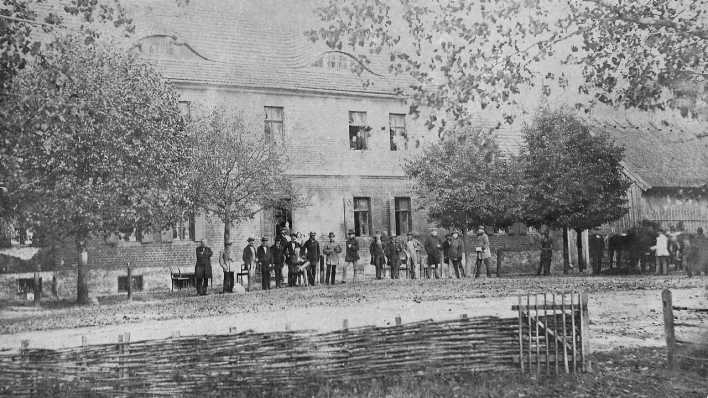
x=572, y=328
x=555, y=330
x=584, y=333
x=175, y=334
x=565, y=334
x=120, y=357
x=398, y=320
x=37, y=289
x=528, y=317
x=538, y=352
x=669, y=327
x=233, y=330
x=345, y=325
x=521, y=339
x=545, y=328
x=130, y=282
x=463, y=316
x=500, y=260
x=24, y=345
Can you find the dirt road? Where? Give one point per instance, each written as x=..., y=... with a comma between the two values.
x=617, y=318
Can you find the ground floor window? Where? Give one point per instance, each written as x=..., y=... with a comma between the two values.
x=404, y=221
x=26, y=285
x=362, y=216
x=137, y=282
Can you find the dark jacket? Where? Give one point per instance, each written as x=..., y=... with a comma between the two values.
x=249, y=255
x=393, y=252
x=291, y=252
x=377, y=252
x=278, y=254
x=433, y=246
x=204, y=255
x=312, y=251
x=455, y=250
x=352, y=252
x=264, y=255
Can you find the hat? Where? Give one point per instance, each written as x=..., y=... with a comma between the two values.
x=228, y=243
x=313, y=234
x=251, y=239
x=351, y=232
x=410, y=234
x=264, y=239
x=331, y=235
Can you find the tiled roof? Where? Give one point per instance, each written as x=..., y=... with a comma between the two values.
x=244, y=47
x=668, y=157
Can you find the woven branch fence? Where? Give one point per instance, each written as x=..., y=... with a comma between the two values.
x=279, y=361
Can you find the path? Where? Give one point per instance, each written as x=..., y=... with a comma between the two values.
x=618, y=319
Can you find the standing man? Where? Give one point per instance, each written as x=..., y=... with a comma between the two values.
x=265, y=259
x=454, y=253
x=433, y=246
x=394, y=256
x=277, y=252
x=597, y=247
x=331, y=251
x=292, y=253
x=228, y=264
x=662, y=253
x=486, y=252
x=378, y=256
x=249, y=261
x=445, y=265
x=202, y=269
x=544, y=266
x=312, y=254
x=412, y=248
x=351, y=255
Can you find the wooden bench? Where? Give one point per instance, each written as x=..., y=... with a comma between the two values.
x=182, y=279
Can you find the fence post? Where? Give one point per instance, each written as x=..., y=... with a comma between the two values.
x=130, y=282
x=565, y=335
x=521, y=336
x=669, y=326
x=345, y=325
x=398, y=320
x=572, y=329
x=584, y=333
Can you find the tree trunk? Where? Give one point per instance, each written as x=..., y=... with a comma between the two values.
x=227, y=232
x=566, y=253
x=37, y=288
x=579, y=245
x=82, y=292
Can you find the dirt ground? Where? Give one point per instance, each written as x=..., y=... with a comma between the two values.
x=625, y=311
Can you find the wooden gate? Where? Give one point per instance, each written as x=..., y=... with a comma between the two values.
x=553, y=333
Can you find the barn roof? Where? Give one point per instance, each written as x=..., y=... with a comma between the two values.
x=661, y=156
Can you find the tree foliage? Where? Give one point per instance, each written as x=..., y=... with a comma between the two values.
x=235, y=172
x=457, y=53
x=574, y=179
x=464, y=182
x=93, y=143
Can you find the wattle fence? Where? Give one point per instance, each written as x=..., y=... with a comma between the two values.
x=289, y=360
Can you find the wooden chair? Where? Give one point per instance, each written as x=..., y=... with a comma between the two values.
x=181, y=279
x=243, y=272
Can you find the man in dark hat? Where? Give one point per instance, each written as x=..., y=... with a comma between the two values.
x=351, y=255
x=394, y=249
x=311, y=253
x=378, y=254
x=292, y=254
x=249, y=261
x=278, y=257
x=454, y=252
x=228, y=264
x=265, y=259
x=202, y=269
x=433, y=247
x=331, y=251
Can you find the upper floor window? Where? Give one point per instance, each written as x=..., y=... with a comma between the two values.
x=397, y=128
x=273, y=123
x=185, y=109
x=358, y=131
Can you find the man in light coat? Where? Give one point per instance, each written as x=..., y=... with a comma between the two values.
x=486, y=254
x=228, y=264
x=661, y=250
x=331, y=251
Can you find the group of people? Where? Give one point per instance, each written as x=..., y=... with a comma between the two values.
x=309, y=260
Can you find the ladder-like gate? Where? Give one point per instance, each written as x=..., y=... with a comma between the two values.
x=553, y=333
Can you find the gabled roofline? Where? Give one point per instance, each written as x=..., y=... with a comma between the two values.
x=641, y=183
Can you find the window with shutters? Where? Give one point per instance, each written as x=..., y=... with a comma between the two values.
x=358, y=131
x=137, y=283
x=397, y=130
x=404, y=221
x=362, y=216
x=273, y=123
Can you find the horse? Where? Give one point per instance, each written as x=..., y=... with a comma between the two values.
x=636, y=243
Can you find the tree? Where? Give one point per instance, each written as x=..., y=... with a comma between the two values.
x=236, y=172
x=98, y=144
x=574, y=179
x=464, y=182
x=638, y=55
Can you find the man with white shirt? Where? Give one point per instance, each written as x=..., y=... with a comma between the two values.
x=662, y=253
